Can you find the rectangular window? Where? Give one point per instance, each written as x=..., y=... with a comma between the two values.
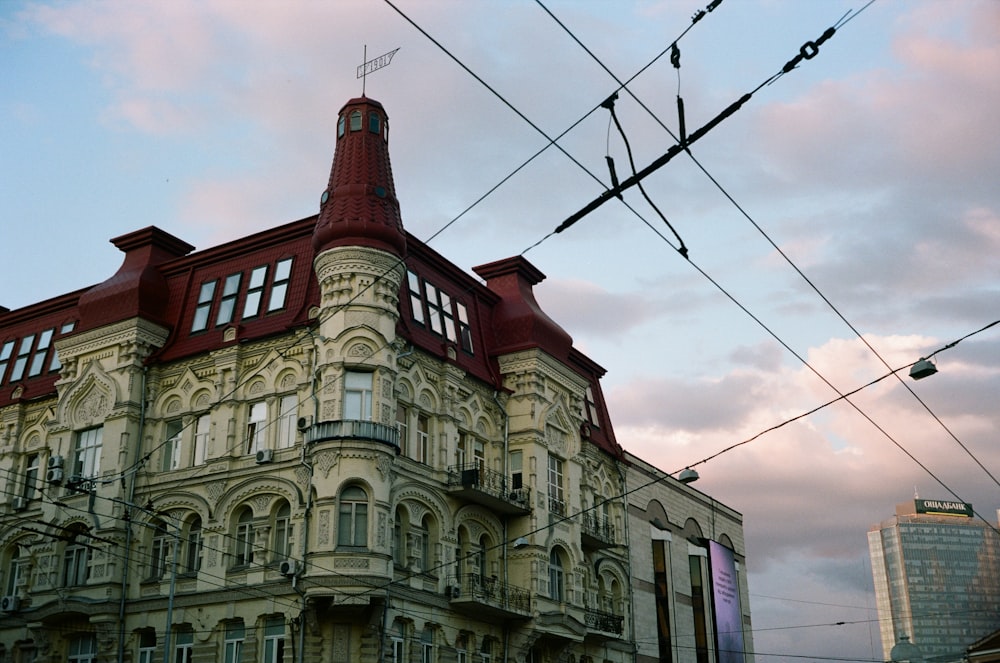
x=516, y=465
x=274, y=640
x=193, y=557
x=172, y=445
x=699, y=609
x=227, y=304
x=88, y=453
x=447, y=318
x=159, y=553
x=233, y=650
x=461, y=449
x=288, y=417
x=592, y=417
x=427, y=646
x=41, y=350
x=76, y=569
x=283, y=535
x=479, y=454
x=83, y=648
x=23, y=352
x=18, y=574
x=201, y=429
x=464, y=330
x=204, y=306
x=402, y=427
x=557, y=498
x=423, y=446
x=184, y=649
x=434, y=309
x=279, y=285
x=56, y=364
x=255, y=290
x=358, y=396
x=5, y=354
x=256, y=423
x=147, y=646
x=416, y=301
x=30, y=477
x=398, y=655
x=661, y=582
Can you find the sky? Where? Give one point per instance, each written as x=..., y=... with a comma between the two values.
x=844, y=222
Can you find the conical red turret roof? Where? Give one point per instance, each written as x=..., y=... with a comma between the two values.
x=359, y=206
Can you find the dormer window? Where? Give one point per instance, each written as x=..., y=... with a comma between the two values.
x=340, y=126
x=373, y=123
x=356, y=121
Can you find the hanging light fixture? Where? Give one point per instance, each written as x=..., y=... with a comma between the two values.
x=922, y=369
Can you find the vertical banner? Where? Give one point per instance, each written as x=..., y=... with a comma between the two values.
x=725, y=604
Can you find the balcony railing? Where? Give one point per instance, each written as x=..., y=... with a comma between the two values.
x=353, y=429
x=606, y=622
x=489, y=595
x=597, y=531
x=491, y=489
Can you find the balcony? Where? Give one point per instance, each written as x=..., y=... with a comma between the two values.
x=596, y=531
x=479, y=485
x=488, y=597
x=603, y=623
x=353, y=429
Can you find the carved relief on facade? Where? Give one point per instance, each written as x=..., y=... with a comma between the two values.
x=89, y=401
x=325, y=461
x=324, y=527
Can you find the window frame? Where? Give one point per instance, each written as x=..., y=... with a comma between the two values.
x=256, y=427
x=354, y=508
x=203, y=306
x=87, y=453
x=364, y=406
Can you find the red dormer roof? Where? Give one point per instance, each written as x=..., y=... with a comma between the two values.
x=137, y=289
x=518, y=321
x=359, y=206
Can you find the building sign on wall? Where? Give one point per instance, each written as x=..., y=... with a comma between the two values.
x=944, y=508
x=726, y=604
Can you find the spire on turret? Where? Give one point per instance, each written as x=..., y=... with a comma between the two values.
x=359, y=206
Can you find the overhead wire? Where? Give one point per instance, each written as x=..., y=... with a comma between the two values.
x=809, y=50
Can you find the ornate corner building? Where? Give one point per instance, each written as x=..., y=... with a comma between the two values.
x=325, y=442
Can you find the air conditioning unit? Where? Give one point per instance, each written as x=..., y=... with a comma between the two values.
x=265, y=456
x=289, y=567
x=519, y=495
x=9, y=603
x=304, y=423
x=55, y=462
x=453, y=591
x=19, y=503
x=55, y=475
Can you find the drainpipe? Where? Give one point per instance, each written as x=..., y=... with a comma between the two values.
x=628, y=562
x=128, y=519
x=305, y=516
x=506, y=472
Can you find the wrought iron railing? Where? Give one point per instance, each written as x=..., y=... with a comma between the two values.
x=604, y=621
x=353, y=428
x=473, y=475
x=491, y=591
x=597, y=526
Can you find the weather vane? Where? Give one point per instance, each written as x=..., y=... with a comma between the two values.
x=373, y=65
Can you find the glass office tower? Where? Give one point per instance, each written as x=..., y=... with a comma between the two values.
x=936, y=569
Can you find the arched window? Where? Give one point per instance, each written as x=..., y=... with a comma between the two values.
x=373, y=123
x=557, y=577
x=17, y=569
x=243, y=554
x=356, y=121
x=352, y=528
x=147, y=645
x=83, y=648
x=76, y=559
x=192, y=553
x=159, y=549
x=340, y=126
x=282, y=546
